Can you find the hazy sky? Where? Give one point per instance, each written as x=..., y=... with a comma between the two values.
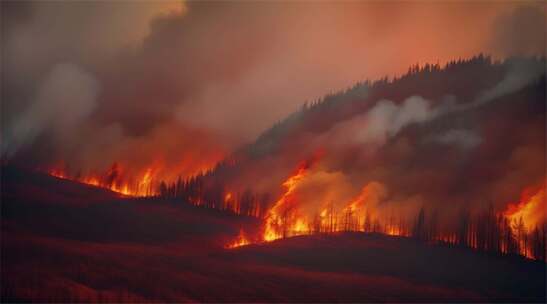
x=182, y=84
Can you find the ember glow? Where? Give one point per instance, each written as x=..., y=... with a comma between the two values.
x=241, y=240
x=140, y=186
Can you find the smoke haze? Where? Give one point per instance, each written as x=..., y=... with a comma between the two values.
x=181, y=85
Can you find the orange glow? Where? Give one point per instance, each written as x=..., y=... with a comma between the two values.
x=394, y=230
x=142, y=186
x=530, y=208
x=232, y=203
x=286, y=218
x=241, y=240
x=58, y=173
x=281, y=221
x=526, y=215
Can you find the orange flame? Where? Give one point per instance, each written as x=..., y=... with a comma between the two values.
x=57, y=173
x=281, y=220
x=241, y=240
x=143, y=186
x=530, y=208
x=285, y=219
x=527, y=214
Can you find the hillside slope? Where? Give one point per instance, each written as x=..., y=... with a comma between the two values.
x=124, y=250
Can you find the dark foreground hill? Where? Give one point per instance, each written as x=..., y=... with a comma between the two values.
x=357, y=267
x=98, y=246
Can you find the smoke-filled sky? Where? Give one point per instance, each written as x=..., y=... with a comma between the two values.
x=182, y=84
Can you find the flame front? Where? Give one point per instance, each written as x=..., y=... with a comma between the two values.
x=279, y=221
x=526, y=217
x=530, y=210
x=288, y=217
x=241, y=240
x=113, y=180
x=303, y=209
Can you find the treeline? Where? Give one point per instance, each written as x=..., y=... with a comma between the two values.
x=431, y=81
x=209, y=191
x=485, y=231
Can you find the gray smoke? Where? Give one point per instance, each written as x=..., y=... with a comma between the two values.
x=65, y=98
x=520, y=75
x=466, y=139
x=386, y=118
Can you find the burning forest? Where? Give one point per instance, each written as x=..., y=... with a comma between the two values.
x=184, y=143
x=320, y=195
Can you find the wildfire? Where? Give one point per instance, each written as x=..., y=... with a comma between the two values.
x=530, y=209
x=57, y=173
x=527, y=215
x=394, y=230
x=280, y=219
x=112, y=180
x=520, y=229
x=286, y=219
x=241, y=240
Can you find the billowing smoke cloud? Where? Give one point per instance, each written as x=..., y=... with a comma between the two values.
x=521, y=73
x=180, y=83
x=446, y=153
x=66, y=97
x=385, y=120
